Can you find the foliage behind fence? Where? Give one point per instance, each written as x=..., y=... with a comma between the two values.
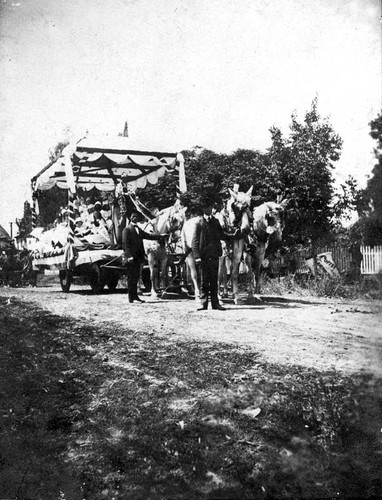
x=371, y=263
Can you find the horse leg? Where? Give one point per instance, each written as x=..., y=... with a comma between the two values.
x=235, y=279
x=223, y=276
x=163, y=272
x=248, y=261
x=194, y=275
x=151, y=262
x=257, y=260
x=236, y=258
x=257, y=274
x=228, y=266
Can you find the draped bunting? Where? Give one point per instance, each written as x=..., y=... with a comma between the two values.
x=99, y=163
x=101, y=168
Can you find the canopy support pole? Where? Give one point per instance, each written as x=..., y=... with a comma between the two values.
x=182, y=185
x=34, y=209
x=71, y=197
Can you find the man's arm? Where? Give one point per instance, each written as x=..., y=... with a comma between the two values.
x=195, y=243
x=151, y=236
x=237, y=235
x=223, y=235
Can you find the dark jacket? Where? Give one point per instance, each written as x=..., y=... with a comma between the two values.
x=206, y=240
x=132, y=242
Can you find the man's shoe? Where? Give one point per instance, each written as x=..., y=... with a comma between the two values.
x=203, y=308
x=137, y=299
x=219, y=308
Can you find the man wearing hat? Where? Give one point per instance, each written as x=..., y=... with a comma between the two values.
x=207, y=249
x=124, y=194
x=132, y=244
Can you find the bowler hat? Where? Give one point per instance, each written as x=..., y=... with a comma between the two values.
x=207, y=201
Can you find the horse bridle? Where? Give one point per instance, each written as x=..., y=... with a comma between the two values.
x=172, y=229
x=238, y=212
x=151, y=222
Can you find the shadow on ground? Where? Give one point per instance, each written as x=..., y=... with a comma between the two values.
x=99, y=413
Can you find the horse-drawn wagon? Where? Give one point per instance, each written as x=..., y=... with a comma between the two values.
x=93, y=165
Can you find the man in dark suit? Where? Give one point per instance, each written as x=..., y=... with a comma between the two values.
x=132, y=244
x=207, y=249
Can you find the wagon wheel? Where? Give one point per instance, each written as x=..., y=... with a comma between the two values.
x=112, y=281
x=97, y=278
x=66, y=279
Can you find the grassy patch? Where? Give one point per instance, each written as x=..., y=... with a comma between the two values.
x=110, y=413
x=366, y=287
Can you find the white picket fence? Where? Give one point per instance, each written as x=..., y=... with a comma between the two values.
x=372, y=260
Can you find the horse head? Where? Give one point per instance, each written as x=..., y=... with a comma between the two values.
x=238, y=207
x=268, y=218
x=170, y=221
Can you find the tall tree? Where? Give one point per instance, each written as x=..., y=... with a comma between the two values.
x=50, y=203
x=210, y=173
x=304, y=162
x=299, y=166
x=374, y=185
x=25, y=223
x=369, y=226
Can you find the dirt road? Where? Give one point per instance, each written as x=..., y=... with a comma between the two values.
x=321, y=333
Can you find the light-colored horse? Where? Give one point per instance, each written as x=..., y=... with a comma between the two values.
x=267, y=228
x=239, y=217
x=262, y=226
x=188, y=232
x=225, y=262
x=168, y=221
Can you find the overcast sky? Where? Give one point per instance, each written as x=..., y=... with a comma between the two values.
x=213, y=73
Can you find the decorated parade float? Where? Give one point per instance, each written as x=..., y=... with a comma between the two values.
x=73, y=246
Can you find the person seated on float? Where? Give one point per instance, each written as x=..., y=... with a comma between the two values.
x=106, y=213
x=124, y=194
x=77, y=204
x=122, y=191
x=80, y=230
x=97, y=226
x=63, y=217
x=98, y=220
x=89, y=220
x=106, y=216
x=57, y=220
x=84, y=214
x=76, y=213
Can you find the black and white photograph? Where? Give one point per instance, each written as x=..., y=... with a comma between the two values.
x=190, y=249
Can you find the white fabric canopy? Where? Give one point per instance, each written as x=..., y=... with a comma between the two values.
x=99, y=162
